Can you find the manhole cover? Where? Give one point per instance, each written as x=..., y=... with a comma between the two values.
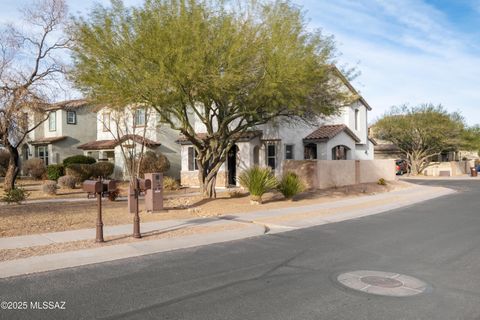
x=382, y=283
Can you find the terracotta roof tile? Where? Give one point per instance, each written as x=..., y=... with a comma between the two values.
x=47, y=140
x=110, y=144
x=327, y=132
x=241, y=137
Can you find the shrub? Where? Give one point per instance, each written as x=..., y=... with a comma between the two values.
x=34, y=167
x=170, y=184
x=153, y=162
x=49, y=187
x=102, y=169
x=55, y=171
x=67, y=182
x=290, y=185
x=78, y=159
x=382, y=182
x=80, y=172
x=15, y=195
x=4, y=159
x=257, y=181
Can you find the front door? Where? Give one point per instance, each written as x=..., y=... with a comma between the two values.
x=232, y=165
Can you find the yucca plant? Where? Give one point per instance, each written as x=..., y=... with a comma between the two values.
x=290, y=185
x=258, y=181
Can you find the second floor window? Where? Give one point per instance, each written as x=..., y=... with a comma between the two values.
x=140, y=118
x=357, y=118
x=106, y=122
x=71, y=117
x=52, y=121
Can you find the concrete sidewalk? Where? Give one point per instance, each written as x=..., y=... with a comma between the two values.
x=246, y=225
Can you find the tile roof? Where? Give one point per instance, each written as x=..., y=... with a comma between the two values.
x=47, y=140
x=327, y=132
x=240, y=137
x=111, y=144
x=69, y=105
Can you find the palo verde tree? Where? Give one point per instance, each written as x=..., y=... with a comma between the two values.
x=229, y=65
x=421, y=132
x=29, y=69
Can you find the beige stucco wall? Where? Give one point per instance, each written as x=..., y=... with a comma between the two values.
x=321, y=174
x=190, y=178
x=372, y=170
x=455, y=168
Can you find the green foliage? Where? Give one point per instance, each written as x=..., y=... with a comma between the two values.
x=290, y=185
x=170, y=184
x=78, y=159
x=55, y=171
x=421, y=132
x=153, y=162
x=81, y=172
x=15, y=195
x=103, y=169
x=35, y=168
x=382, y=182
x=237, y=66
x=68, y=182
x=49, y=187
x=258, y=181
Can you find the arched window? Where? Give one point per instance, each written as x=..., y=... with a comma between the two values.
x=340, y=153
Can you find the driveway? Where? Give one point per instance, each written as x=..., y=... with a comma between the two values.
x=290, y=275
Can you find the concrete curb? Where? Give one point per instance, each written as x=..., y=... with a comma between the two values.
x=128, y=250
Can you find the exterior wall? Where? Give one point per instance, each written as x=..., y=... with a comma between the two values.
x=365, y=151
x=190, y=179
x=342, y=139
x=322, y=174
x=454, y=168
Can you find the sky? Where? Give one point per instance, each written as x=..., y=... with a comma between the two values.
x=406, y=52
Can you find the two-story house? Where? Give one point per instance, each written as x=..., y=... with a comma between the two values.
x=343, y=137
x=69, y=124
x=117, y=132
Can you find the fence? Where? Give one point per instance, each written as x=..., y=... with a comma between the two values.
x=321, y=174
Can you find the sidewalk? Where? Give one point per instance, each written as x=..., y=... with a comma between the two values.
x=242, y=225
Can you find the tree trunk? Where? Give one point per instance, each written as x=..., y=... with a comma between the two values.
x=208, y=180
x=13, y=168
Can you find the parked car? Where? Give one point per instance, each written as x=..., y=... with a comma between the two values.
x=401, y=167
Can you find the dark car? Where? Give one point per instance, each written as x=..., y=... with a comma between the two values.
x=401, y=167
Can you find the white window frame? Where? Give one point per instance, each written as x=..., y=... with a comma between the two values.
x=74, y=119
x=192, y=159
x=138, y=115
x=52, y=121
x=106, y=122
x=292, y=153
x=274, y=157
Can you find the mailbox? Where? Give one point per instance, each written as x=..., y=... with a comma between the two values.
x=145, y=184
x=92, y=186
x=154, y=196
x=109, y=185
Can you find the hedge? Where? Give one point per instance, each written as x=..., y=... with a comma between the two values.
x=78, y=159
x=55, y=171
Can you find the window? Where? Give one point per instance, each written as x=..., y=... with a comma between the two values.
x=52, y=121
x=357, y=118
x=192, y=159
x=106, y=122
x=42, y=153
x=140, y=118
x=271, y=156
x=71, y=117
x=310, y=151
x=339, y=153
x=289, y=152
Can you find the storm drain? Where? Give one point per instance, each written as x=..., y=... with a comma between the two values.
x=382, y=283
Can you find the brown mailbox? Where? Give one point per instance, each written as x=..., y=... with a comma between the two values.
x=144, y=184
x=92, y=186
x=109, y=185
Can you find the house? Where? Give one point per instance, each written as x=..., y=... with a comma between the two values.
x=122, y=134
x=69, y=124
x=343, y=137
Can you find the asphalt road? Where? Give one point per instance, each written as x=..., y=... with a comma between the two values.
x=285, y=276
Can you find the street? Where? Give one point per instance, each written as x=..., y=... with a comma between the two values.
x=288, y=275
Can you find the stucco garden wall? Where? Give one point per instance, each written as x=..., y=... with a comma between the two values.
x=321, y=174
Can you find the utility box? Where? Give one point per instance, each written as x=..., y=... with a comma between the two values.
x=154, y=195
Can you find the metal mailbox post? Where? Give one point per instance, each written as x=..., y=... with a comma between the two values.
x=134, y=190
x=154, y=195
x=96, y=187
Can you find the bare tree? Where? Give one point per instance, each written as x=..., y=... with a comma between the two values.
x=30, y=71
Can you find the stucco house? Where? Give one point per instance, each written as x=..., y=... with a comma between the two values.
x=132, y=127
x=343, y=137
x=69, y=124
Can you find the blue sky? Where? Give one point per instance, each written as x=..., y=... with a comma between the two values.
x=408, y=51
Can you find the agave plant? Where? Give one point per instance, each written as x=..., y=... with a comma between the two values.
x=258, y=181
x=290, y=185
